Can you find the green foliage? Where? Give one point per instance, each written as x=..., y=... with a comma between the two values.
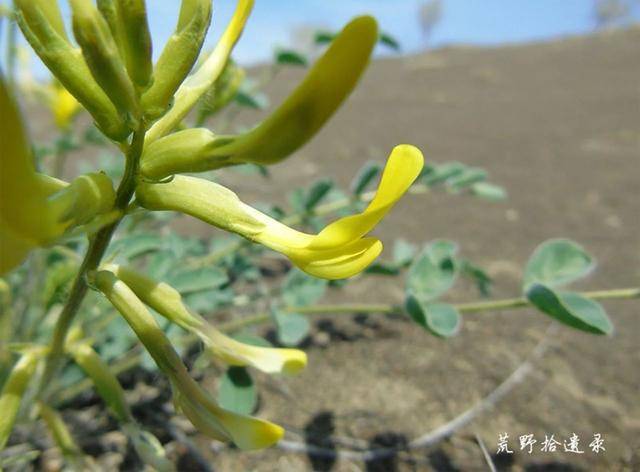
x=557, y=262
x=300, y=289
x=434, y=271
x=292, y=328
x=571, y=309
x=389, y=41
x=290, y=58
x=365, y=177
x=187, y=281
x=440, y=319
x=237, y=391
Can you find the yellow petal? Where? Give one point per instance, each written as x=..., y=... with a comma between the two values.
x=403, y=167
x=246, y=432
x=338, y=251
x=267, y=359
x=167, y=301
x=13, y=250
x=339, y=263
x=64, y=106
x=307, y=109
x=196, y=85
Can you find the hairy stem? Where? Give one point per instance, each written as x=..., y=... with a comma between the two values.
x=97, y=248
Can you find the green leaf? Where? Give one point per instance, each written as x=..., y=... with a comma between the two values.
x=134, y=246
x=297, y=199
x=292, y=327
x=389, y=41
x=557, y=262
x=317, y=193
x=489, y=191
x=442, y=173
x=382, y=268
x=188, y=281
x=571, y=309
x=161, y=263
x=291, y=58
x=403, y=252
x=466, y=178
x=324, y=37
x=429, y=278
x=237, y=392
x=441, y=319
x=365, y=177
x=479, y=276
x=210, y=300
x=442, y=249
x=300, y=289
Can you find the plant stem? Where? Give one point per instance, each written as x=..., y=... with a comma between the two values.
x=92, y=258
x=474, y=307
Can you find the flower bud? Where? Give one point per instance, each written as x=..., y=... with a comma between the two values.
x=246, y=432
x=200, y=81
x=13, y=391
x=127, y=20
x=101, y=53
x=189, y=150
x=167, y=301
x=106, y=383
x=178, y=57
x=67, y=64
x=86, y=197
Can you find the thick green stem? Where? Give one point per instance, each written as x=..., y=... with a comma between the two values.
x=96, y=251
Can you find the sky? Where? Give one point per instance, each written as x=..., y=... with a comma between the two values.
x=481, y=22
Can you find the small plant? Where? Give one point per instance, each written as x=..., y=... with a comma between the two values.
x=62, y=242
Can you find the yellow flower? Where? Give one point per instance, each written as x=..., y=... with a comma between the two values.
x=205, y=414
x=289, y=127
x=167, y=301
x=340, y=250
x=35, y=209
x=63, y=105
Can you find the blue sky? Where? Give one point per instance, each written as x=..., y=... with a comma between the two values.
x=487, y=22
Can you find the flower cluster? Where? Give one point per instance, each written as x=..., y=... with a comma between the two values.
x=140, y=105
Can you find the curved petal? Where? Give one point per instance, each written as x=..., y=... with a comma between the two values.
x=245, y=431
x=403, y=167
x=299, y=118
x=338, y=251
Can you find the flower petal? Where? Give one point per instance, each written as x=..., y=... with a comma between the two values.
x=403, y=167
x=167, y=301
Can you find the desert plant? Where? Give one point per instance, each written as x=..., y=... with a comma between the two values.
x=61, y=243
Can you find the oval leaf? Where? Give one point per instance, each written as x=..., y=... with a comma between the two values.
x=300, y=289
x=237, y=391
x=557, y=262
x=440, y=319
x=292, y=327
x=571, y=309
x=289, y=57
x=429, y=278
